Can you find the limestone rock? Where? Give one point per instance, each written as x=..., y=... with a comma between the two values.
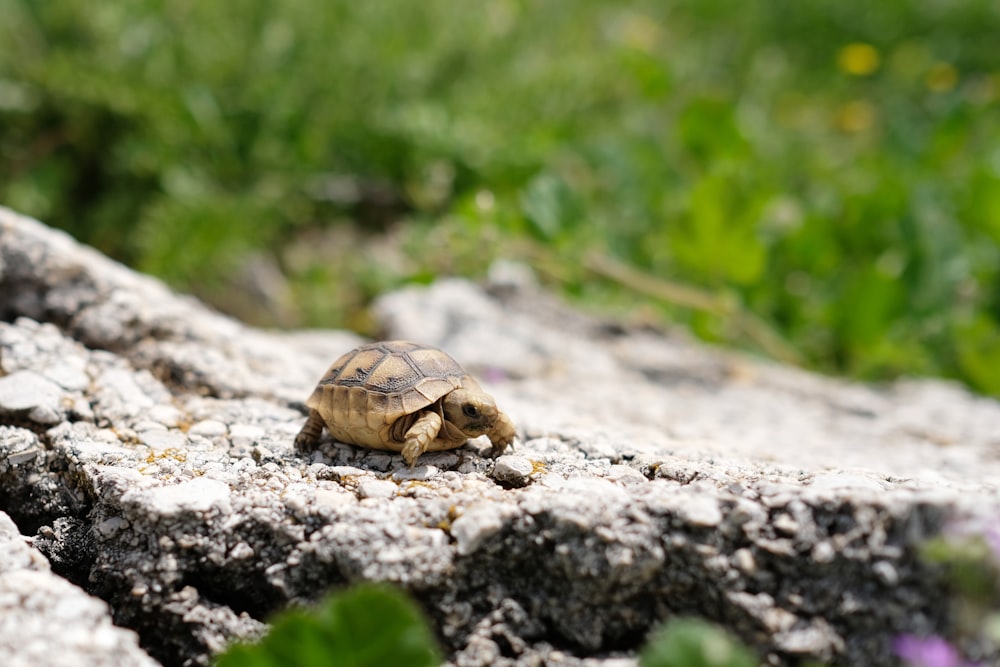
x=48, y=277
x=653, y=476
x=45, y=621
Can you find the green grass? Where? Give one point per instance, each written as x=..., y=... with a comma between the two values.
x=817, y=180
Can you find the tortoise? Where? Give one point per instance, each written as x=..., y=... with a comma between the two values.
x=404, y=397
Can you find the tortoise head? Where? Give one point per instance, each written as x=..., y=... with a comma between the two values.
x=471, y=410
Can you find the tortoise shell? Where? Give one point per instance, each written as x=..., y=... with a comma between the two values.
x=363, y=395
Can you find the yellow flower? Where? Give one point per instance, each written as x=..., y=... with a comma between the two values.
x=858, y=59
x=856, y=116
x=942, y=77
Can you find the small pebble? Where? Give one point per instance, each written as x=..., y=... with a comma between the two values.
x=376, y=488
x=244, y=435
x=208, y=428
x=512, y=470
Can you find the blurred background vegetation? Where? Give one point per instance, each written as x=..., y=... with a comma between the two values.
x=816, y=180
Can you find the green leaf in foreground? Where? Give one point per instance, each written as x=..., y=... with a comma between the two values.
x=368, y=625
x=694, y=643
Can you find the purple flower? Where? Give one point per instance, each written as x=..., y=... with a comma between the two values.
x=928, y=652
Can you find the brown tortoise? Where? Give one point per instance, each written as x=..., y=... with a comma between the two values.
x=403, y=397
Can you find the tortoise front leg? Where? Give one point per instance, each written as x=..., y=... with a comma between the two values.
x=421, y=434
x=502, y=434
x=307, y=438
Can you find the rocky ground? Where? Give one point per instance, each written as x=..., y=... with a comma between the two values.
x=146, y=455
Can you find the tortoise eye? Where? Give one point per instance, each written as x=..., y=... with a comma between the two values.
x=469, y=410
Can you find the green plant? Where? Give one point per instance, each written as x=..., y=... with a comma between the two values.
x=370, y=625
x=694, y=643
x=969, y=552
x=365, y=626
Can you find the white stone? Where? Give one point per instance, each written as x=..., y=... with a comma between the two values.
x=197, y=495
x=702, y=511
x=245, y=435
x=744, y=560
x=124, y=386
x=512, y=469
x=45, y=414
x=25, y=390
x=70, y=373
x=824, y=552
x=333, y=498
x=241, y=551
x=167, y=415
x=625, y=475
x=208, y=428
x=376, y=488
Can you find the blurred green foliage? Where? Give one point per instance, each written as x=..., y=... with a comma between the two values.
x=831, y=168
x=971, y=559
x=365, y=626
x=969, y=553
x=694, y=643
x=374, y=625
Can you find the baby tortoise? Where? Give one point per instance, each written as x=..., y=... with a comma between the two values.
x=403, y=397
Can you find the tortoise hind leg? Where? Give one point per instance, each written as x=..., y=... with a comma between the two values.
x=307, y=438
x=421, y=434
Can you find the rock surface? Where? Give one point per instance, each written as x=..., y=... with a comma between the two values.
x=146, y=442
x=45, y=621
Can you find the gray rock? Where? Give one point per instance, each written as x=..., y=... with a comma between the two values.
x=15, y=554
x=513, y=470
x=45, y=621
x=477, y=524
x=48, y=277
x=653, y=477
x=32, y=394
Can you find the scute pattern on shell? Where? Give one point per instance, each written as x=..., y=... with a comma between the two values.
x=396, y=366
